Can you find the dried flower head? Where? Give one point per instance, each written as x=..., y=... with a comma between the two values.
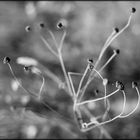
x=28, y=28
x=90, y=60
x=134, y=84
x=6, y=60
x=117, y=51
x=26, y=68
x=119, y=85
x=60, y=25
x=42, y=25
x=133, y=9
x=116, y=29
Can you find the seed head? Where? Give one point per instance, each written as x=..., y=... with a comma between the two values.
x=42, y=25
x=119, y=85
x=133, y=9
x=26, y=68
x=6, y=60
x=134, y=84
x=84, y=125
x=117, y=51
x=28, y=28
x=90, y=60
x=116, y=30
x=60, y=25
x=96, y=91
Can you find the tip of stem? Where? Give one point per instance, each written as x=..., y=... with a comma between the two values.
x=26, y=68
x=96, y=91
x=117, y=51
x=119, y=85
x=84, y=125
x=90, y=60
x=116, y=29
x=6, y=60
x=28, y=28
x=60, y=25
x=134, y=84
x=42, y=25
x=133, y=9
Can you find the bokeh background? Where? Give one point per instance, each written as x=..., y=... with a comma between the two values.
x=88, y=25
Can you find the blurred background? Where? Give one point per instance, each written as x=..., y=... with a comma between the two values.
x=88, y=25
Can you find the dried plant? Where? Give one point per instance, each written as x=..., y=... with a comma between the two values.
x=92, y=69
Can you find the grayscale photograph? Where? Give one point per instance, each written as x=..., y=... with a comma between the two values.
x=69, y=69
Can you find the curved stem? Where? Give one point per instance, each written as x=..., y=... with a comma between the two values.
x=98, y=99
x=91, y=76
x=92, y=125
x=28, y=92
x=108, y=61
x=82, y=94
x=124, y=116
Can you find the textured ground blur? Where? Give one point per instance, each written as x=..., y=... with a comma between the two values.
x=88, y=26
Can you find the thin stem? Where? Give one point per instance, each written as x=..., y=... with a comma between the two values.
x=62, y=41
x=121, y=31
x=82, y=94
x=82, y=79
x=98, y=74
x=43, y=82
x=35, y=94
x=107, y=109
x=92, y=125
x=106, y=100
x=107, y=135
x=51, y=75
x=101, y=128
x=64, y=71
x=72, y=86
x=111, y=35
x=105, y=94
x=54, y=39
x=105, y=46
x=78, y=117
x=112, y=39
x=48, y=46
x=108, y=61
x=98, y=99
x=123, y=116
x=58, y=114
x=75, y=73
x=28, y=92
x=71, y=82
x=91, y=76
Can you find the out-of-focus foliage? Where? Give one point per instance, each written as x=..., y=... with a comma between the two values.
x=88, y=26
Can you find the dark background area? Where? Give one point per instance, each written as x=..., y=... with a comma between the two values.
x=88, y=26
